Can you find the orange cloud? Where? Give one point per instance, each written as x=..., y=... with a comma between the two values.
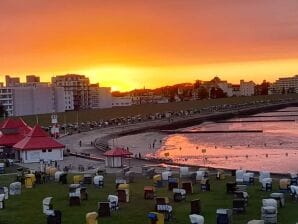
x=129, y=44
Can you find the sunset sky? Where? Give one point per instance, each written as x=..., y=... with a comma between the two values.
x=129, y=44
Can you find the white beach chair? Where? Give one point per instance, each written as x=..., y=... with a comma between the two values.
x=15, y=188
x=200, y=175
x=184, y=172
x=2, y=199
x=248, y=178
x=98, y=181
x=57, y=176
x=263, y=174
x=269, y=214
x=196, y=219
x=294, y=191
x=179, y=194
x=266, y=184
x=256, y=222
x=165, y=175
x=47, y=206
x=279, y=197
x=240, y=176
x=114, y=202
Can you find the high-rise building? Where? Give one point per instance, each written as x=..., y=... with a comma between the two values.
x=11, y=81
x=32, y=79
x=6, y=100
x=37, y=100
x=77, y=85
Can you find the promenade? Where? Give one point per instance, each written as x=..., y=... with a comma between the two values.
x=84, y=142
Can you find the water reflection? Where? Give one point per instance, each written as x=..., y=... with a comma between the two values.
x=275, y=149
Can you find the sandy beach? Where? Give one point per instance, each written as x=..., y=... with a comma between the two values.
x=137, y=143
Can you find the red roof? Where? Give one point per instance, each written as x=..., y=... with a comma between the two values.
x=37, y=139
x=118, y=152
x=18, y=124
x=10, y=139
x=23, y=127
x=13, y=131
x=9, y=123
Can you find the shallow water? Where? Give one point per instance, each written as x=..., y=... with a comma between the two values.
x=275, y=149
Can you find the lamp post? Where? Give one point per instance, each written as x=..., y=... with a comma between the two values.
x=203, y=152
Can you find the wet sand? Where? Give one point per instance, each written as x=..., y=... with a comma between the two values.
x=144, y=143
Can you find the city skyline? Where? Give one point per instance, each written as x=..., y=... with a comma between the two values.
x=134, y=44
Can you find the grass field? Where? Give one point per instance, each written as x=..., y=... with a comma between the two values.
x=27, y=208
x=146, y=109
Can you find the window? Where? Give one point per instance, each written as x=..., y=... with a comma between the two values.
x=50, y=150
x=44, y=150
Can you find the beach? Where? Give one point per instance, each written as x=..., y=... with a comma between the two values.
x=136, y=141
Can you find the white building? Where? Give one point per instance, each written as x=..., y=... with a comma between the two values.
x=137, y=100
x=100, y=97
x=247, y=88
x=105, y=97
x=37, y=100
x=226, y=88
x=37, y=146
x=216, y=82
x=68, y=98
x=285, y=85
x=235, y=90
x=78, y=85
x=122, y=101
x=6, y=99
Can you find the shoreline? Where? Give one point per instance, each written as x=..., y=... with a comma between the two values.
x=107, y=134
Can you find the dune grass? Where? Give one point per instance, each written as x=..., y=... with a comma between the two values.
x=27, y=208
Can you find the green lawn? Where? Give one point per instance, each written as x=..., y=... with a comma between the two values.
x=146, y=109
x=27, y=208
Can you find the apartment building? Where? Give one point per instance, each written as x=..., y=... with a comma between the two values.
x=284, y=85
x=247, y=88
x=100, y=97
x=6, y=100
x=37, y=100
x=77, y=85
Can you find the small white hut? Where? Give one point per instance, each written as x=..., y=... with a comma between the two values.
x=114, y=157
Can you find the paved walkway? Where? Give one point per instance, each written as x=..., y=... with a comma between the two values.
x=72, y=142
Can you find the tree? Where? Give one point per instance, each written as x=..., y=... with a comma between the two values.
x=203, y=93
x=217, y=93
x=264, y=87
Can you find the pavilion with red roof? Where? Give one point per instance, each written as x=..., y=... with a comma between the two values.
x=12, y=131
x=37, y=145
x=114, y=157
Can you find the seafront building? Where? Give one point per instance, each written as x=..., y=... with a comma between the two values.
x=6, y=99
x=284, y=85
x=80, y=94
x=247, y=88
x=74, y=92
x=122, y=101
x=75, y=86
x=11, y=81
x=32, y=97
x=65, y=93
x=100, y=97
x=37, y=100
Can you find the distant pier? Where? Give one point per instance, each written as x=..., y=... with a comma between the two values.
x=254, y=121
x=215, y=131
